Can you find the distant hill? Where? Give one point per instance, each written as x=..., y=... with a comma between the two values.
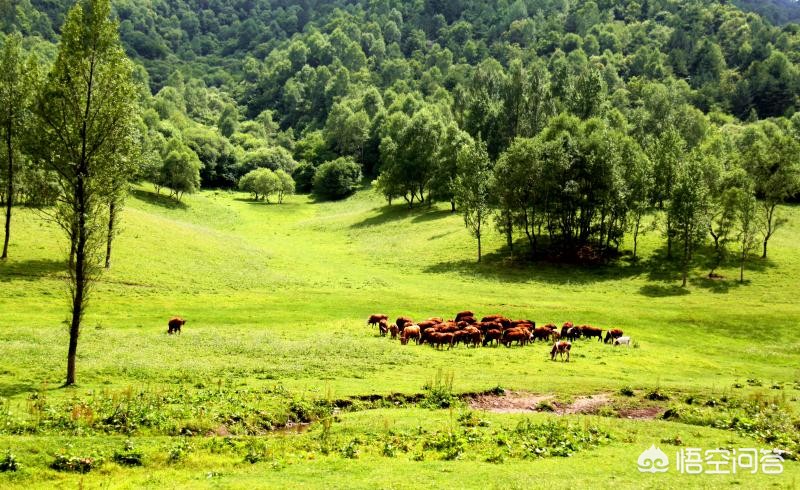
x=776, y=11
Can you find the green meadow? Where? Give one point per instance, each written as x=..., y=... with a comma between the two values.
x=276, y=299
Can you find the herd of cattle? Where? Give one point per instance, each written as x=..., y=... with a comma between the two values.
x=491, y=330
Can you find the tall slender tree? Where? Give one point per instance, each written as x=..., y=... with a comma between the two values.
x=85, y=117
x=472, y=188
x=16, y=91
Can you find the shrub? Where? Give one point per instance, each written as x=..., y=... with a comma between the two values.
x=128, y=455
x=626, y=391
x=337, y=179
x=75, y=464
x=179, y=451
x=9, y=462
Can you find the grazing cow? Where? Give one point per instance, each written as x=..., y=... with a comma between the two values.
x=435, y=319
x=589, y=331
x=523, y=323
x=492, y=335
x=625, y=340
x=394, y=331
x=565, y=328
x=383, y=327
x=474, y=336
x=376, y=318
x=542, y=333
x=426, y=335
x=520, y=335
x=573, y=333
x=470, y=320
x=463, y=314
x=551, y=326
x=174, y=325
x=410, y=332
x=612, y=334
x=438, y=339
x=401, y=321
x=560, y=348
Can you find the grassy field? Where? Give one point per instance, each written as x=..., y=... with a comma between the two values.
x=276, y=298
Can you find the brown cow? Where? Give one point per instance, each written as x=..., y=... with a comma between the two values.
x=401, y=321
x=560, y=348
x=612, y=334
x=426, y=335
x=565, y=328
x=474, y=336
x=439, y=339
x=394, y=331
x=468, y=319
x=427, y=324
x=174, y=325
x=589, y=331
x=383, y=327
x=435, y=319
x=542, y=333
x=376, y=318
x=574, y=333
x=491, y=318
x=551, y=326
x=463, y=314
x=492, y=335
x=520, y=335
x=410, y=332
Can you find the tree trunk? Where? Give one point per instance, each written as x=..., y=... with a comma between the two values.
x=764, y=255
x=452, y=205
x=80, y=280
x=479, y=246
x=10, y=198
x=636, y=238
x=741, y=268
x=111, y=214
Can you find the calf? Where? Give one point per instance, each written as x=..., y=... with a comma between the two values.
x=560, y=348
x=383, y=327
x=626, y=341
x=542, y=333
x=174, y=325
x=521, y=336
x=393, y=330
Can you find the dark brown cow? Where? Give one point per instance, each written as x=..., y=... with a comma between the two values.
x=474, y=336
x=565, y=328
x=463, y=314
x=612, y=334
x=376, y=318
x=574, y=333
x=401, y=321
x=410, y=332
x=426, y=335
x=519, y=335
x=551, y=326
x=560, y=348
x=174, y=325
x=394, y=331
x=542, y=333
x=589, y=331
x=491, y=318
x=492, y=335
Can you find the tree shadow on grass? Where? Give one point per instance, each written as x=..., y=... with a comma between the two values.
x=432, y=215
x=498, y=266
x=662, y=290
x=13, y=389
x=30, y=270
x=157, y=199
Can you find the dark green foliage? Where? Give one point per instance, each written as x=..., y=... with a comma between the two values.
x=75, y=464
x=303, y=177
x=9, y=462
x=337, y=179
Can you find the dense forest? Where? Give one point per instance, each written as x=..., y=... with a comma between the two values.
x=563, y=123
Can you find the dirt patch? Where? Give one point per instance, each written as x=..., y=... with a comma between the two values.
x=585, y=404
x=511, y=402
x=520, y=402
x=644, y=413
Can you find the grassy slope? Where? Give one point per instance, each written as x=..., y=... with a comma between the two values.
x=280, y=293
